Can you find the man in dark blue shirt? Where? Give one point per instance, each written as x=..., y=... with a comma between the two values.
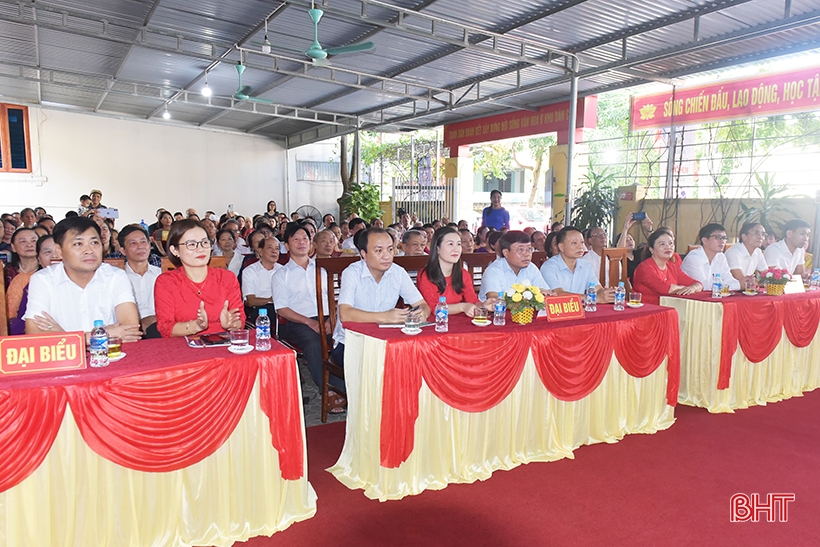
x=495, y=216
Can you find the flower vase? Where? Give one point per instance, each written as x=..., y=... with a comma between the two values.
x=524, y=316
x=775, y=289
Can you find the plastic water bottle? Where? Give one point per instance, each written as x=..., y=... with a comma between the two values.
x=263, y=330
x=500, y=311
x=98, y=345
x=620, y=296
x=442, y=315
x=143, y=224
x=814, y=284
x=592, y=298
x=717, y=286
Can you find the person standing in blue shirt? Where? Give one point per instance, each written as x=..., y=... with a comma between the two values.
x=567, y=273
x=495, y=216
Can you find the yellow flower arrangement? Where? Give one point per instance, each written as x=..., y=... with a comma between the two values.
x=524, y=296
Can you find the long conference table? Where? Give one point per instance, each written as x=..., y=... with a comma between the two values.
x=741, y=351
x=433, y=409
x=170, y=446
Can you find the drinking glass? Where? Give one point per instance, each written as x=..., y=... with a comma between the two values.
x=239, y=337
x=635, y=298
x=724, y=289
x=751, y=285
x=412, y=321
x=114, y=347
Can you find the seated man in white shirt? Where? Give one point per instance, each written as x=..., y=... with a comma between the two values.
x=71, y=295
x=515, y=267
x=596, y=241
x=136, y=248
x=708, y=259
x=746, y=257
x=789, y=253
x=371, y=288
x=256, y=278
x=355, y=226
x=567, y=273
x=294, y=295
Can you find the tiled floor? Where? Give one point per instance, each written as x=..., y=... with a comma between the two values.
x=313, y=410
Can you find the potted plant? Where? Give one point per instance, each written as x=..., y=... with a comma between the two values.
x=523, y=301
x=774, y=279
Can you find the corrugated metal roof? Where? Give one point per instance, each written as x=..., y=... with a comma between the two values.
x=131, y=57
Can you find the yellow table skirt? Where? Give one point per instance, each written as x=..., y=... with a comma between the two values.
x=787, y=372
x=452, y=446
x=79, y=499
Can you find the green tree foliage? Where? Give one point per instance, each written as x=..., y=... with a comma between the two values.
x=362, y=199
x=770, y=213
x=498, y=158
x=595, y=205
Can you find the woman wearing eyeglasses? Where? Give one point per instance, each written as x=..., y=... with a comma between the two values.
x=708, y=259
x=194, y=298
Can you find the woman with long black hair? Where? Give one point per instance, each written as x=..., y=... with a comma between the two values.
x=445, y=275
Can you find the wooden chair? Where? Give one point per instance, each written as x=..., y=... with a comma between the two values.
x=538, y=258
x=166, y=264
x=4, y=314
x=691, y=248
x=334, y=268
x=476, y=264
x=116, y=262
x=413, y=264
x=215, y=262
x=616, y=258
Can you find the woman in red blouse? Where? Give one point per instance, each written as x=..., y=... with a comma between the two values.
x=194, y=298
x=659, y=275
x=445, y=275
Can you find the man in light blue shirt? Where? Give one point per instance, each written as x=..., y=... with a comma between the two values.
x=515, y=267
x=371, y=288
x=567, y=273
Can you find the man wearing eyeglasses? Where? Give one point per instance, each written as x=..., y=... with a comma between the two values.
x=707, y=260
x=71, y=295
x=515, y=267
x=596, y=241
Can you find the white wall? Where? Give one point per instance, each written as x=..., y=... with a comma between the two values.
x=322, y=195
x=143, y=166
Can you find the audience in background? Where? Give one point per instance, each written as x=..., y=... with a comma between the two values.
x=23, y=254
x=413, y=243
x=467, y=241
x=256, y=278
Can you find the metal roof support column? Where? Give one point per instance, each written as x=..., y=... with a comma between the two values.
x=573, y=113
x=358, y=152
x=670, y=193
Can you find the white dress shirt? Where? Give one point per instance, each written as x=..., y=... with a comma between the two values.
x=143, y=286
x=76, y=308
x=739, y=258
x=696, y=265
x=595, y=260
x=779, y=256
x=500, y=277
x=256, y=280
x=236, y=263
x=348, y=245
x=360, y=290
x=294, y=287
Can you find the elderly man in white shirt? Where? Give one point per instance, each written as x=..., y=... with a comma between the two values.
x=707, y=260
x=71, y=295
x=257, y=278
x=746, y=257
x=294, y=295
x=136, y=248
x=371, y=287
x=789, y=253
x=515, y=267
x=597, y=243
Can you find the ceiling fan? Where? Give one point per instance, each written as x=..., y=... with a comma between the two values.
x=242, y=93
x=316, y=53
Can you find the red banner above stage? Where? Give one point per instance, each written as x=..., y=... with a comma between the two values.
x=761, y=95
x=521, y=123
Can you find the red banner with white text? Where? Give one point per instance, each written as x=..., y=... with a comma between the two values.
x=760, y=95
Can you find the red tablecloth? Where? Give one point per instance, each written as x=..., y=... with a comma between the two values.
x=757, y=324
x=164, y=407
x=474, y=368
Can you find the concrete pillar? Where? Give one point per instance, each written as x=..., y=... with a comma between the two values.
x=458, y=170
x=558, y=161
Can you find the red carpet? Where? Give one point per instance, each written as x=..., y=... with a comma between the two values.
x=671, y=488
